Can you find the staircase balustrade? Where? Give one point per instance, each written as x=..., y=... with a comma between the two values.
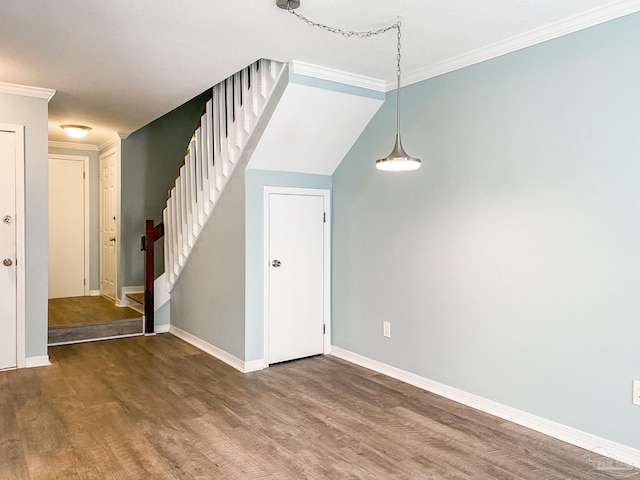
x=230, y=116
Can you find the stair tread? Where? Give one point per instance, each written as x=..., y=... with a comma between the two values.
x=136, y=297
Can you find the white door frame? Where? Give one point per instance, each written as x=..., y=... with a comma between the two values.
x=115, y=150
x=18, y=130
x=326, y=194
x=85, y=166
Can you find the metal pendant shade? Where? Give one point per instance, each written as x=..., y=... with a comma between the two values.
x=398, y=160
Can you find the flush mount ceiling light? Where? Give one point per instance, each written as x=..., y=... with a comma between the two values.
x=398, y=160
x=75, y=131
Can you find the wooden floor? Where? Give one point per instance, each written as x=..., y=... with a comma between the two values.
x=77, y=310
x=157, y=408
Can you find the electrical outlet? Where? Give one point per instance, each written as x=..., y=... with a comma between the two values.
x=636, y=392
x=386, y=329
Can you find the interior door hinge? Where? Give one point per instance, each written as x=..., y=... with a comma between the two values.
x=324, y=217
x=324, y=329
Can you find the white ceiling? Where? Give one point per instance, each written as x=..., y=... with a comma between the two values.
x=118, y=64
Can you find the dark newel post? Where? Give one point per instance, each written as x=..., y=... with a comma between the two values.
x=148, y=277
x=151, y=234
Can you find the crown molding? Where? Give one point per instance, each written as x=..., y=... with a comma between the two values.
x=588, y=19
x=73, y=146
x=111, y=139
x=26, y=91
x=333, y=75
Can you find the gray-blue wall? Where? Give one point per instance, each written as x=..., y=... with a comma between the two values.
x=208, y=299
x=509, y=264
x=32, y=113
x=151, y=159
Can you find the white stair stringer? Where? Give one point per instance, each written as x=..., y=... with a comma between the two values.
x=230, y=117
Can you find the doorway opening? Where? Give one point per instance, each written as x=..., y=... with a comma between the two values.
x=74, y=314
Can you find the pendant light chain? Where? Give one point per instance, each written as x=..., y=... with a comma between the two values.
x=339, y=31
x=398, y=75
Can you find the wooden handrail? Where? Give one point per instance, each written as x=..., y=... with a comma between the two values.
x=148, y=245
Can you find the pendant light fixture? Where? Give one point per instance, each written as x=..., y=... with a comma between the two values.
x=398, y=160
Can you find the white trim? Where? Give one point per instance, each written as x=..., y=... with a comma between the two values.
x=73, y=146
x=160, y=292
x=133, y=289
x=254, y=366
x=41, y=361
x=94, y=293
x=87, y=209
x=98, y=339
x=26, y=91
x=550, y=31
x=333, y=75
x=112, y=139
x=162, y=328
x=124, y=301
x=570, y=435
x=21, y=285
x=326, y=195
x=211, y=349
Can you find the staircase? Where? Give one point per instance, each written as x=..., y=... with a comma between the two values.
x=227, y=124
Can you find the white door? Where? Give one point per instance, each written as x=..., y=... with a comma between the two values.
x=296, y=283
x=66, y=227
x=108, y=224
x=8, y=250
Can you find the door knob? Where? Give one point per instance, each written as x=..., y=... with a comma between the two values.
x=7, y=262
x=276, y=263
x=112, y=239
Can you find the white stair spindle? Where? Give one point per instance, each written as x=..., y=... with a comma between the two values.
x=211, y=176
x=238, y=127
x=199, y=155
x=228, y=121
x=231, y=151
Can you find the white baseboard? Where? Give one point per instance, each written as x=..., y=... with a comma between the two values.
x=216, y=352
x=125, y=302
x=254, y=366
x=99, y=339
x=94, y=293
x=163, y=329
x=41, y=361
x=616, y=451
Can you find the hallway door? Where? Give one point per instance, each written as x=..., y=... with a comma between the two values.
x=67, y=226
x=296, y=280
x=108, y=224
x=8, y=251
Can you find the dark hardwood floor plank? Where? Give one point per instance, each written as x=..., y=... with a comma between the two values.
x=88, y=309
x=157, y=408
